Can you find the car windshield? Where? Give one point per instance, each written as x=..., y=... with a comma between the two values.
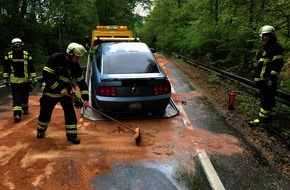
x=129, y=63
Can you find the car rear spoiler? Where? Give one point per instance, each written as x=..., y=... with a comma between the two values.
x=147, y=76
x=99, y=40
x=108, y=39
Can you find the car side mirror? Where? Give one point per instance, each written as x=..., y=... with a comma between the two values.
x=153, y=50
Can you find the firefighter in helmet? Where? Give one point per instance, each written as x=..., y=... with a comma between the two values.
x=269, y=64
x=19, y=73
x=60, y=71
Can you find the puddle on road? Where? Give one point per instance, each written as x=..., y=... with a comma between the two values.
x=169, y=175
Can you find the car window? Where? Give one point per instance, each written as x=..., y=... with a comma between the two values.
x=129, y=63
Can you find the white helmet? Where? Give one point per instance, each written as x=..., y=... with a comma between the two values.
x=267, y=29
x=76, y=49
x=16, y=41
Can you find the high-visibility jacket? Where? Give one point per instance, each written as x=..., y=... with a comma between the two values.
x=270, y=62
x=18, y=67
x=59, y=73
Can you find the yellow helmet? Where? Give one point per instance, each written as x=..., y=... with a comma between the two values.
x=267, y=29
x=76, y=49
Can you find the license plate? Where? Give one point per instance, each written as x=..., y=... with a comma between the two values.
x=135, y=105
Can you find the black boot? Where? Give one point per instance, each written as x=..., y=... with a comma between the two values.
x=40, y=134
x=16, y=118
x=73, y=138
x=25, y=112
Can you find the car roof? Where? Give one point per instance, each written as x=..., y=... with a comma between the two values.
x=110, y=47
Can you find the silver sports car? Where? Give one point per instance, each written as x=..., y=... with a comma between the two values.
x=124, y=77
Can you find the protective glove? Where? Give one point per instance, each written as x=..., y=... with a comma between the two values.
x=34, y=81
x=271, y=86
x=77, y=100
x=32, y=84
x=258, y=55
x=6, y=83
x=270, y=83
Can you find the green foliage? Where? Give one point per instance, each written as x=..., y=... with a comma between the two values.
x=284, y=85
x=278, y=158
x=214, y=79
x=45, y=26
x=49, y=26
x=248, y=103
x=222, y=33
x=120, y=12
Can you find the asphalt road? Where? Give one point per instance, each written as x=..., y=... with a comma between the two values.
x=204, y=153
x=245, y=170
x=238, y=167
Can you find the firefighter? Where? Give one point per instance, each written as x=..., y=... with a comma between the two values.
x=58, y=74
x=18, y=71
x=269, y=64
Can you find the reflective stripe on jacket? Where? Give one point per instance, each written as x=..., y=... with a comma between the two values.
x=18, y=68
x=59, y=73
x=270, y=62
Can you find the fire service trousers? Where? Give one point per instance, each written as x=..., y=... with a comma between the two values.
x=20, y=95
x=47, y=105
x=268, y=101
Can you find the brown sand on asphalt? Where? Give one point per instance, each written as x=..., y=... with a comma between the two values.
x=53, y=163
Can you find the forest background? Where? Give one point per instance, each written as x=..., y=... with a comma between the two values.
x=222, y=33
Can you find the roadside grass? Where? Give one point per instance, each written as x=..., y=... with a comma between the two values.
x=279, y=159
x=285, y=85
x=250, y=105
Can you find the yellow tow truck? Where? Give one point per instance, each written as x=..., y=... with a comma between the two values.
x=111, y=33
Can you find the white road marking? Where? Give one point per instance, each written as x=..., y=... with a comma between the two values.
x=209, y=170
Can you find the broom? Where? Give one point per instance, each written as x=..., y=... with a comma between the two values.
x=137, y=133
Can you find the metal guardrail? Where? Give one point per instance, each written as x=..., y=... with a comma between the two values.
x=282, y=97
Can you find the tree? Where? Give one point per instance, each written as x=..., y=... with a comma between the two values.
x=121, y=12
x=46, y=26
x=222, y=32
